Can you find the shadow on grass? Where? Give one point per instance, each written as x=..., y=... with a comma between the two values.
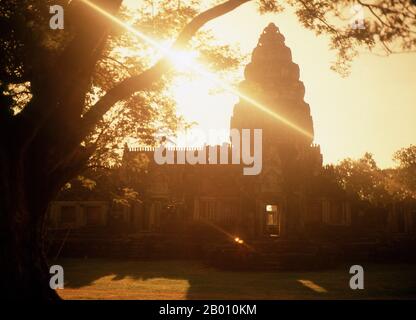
x=132, y=279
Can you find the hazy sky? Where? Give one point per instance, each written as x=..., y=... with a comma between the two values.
x=374, y=109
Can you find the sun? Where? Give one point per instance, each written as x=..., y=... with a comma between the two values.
x=183, y=61
x=200, y=101
x=199, y=98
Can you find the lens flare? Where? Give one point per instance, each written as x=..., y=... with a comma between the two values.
x=182, y=60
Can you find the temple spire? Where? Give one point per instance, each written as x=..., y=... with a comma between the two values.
x=271, y=34
x=273, y=79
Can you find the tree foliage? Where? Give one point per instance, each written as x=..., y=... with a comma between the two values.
x=406, y=171
x=363, y=180
x=389, y=26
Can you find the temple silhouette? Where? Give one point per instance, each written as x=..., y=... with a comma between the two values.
x=277, y=202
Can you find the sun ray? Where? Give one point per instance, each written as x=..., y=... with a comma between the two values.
x=180, y=59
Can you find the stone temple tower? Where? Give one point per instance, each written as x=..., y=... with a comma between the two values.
x=272, y=80
x=279, y=194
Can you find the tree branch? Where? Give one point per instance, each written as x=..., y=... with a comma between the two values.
x=59, y=91
x=143, y=81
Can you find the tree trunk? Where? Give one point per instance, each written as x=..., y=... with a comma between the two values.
x=23, y=265
x=24, y=270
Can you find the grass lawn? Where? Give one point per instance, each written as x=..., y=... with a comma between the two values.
x=130, y=279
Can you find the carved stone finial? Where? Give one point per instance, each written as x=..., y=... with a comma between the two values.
x=271, y=28
x=271, y=34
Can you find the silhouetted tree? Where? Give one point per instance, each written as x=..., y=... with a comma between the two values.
x=404, y=176
x=364, y=181
x=43, y=141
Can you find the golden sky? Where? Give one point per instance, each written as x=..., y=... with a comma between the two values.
x=374, y=109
